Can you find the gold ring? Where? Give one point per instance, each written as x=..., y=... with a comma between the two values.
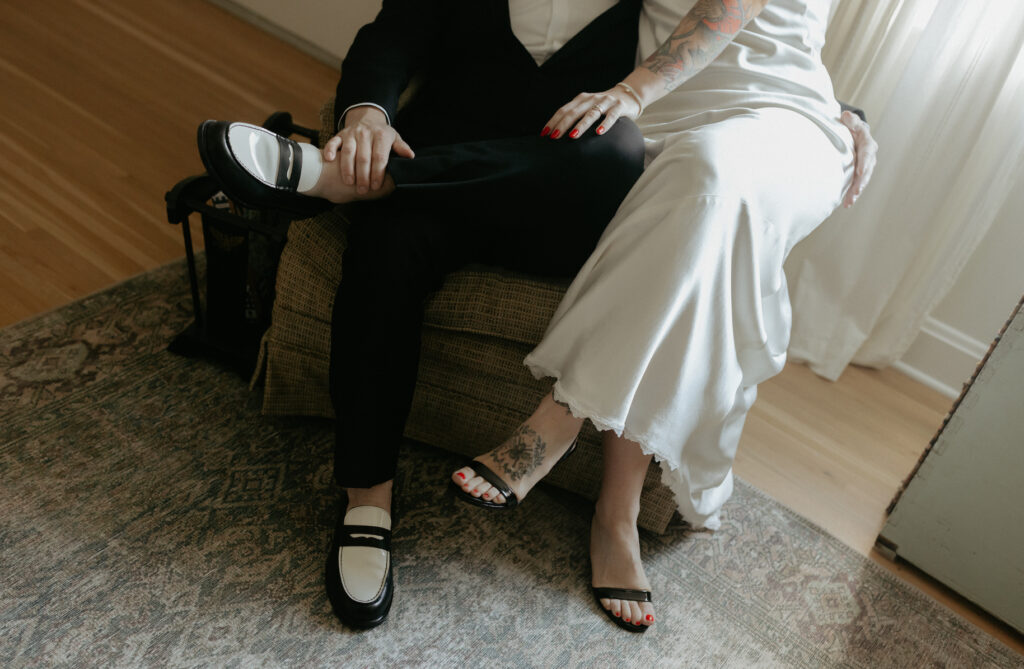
x=597, y=109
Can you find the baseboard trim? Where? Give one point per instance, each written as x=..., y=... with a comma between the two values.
x=300, y=43
x=942, y=358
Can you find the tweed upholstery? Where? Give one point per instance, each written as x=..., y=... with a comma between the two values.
x=472, y=389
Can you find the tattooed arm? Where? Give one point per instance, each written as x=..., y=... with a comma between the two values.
x=698, y=39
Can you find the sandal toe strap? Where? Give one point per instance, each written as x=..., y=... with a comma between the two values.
x=488, y=475
x=624, y=594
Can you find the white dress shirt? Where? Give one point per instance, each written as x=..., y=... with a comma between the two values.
x=542, y=26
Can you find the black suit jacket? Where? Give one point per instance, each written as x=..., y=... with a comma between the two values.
x=477, y=81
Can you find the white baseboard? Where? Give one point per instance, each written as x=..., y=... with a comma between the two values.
x=297, y=41
x=942, y=358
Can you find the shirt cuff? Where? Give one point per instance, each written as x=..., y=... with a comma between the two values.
x=341, y=119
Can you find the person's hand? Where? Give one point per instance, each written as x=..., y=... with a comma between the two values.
x=865, y=153
x=363, y=147
x=577, y=116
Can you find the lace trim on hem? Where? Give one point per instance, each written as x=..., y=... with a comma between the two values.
x=670, y=477
x=601, y=423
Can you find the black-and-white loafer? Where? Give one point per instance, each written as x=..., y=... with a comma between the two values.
x=359, y=577
x=260, y=168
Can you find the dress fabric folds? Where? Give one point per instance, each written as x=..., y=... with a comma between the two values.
x=683, y=308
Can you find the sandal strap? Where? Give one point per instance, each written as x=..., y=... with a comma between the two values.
x=289, y=157
x=380, y=537
x=624, y=594
x=488, y=475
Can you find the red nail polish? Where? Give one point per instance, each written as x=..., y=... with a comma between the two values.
x=555, y=134
x=649, y=617
x=600, y=129
x=461, y=475
x=476, y=490
x=626, y=619
x=616, y=614
x=545, y=131
x=575, y=133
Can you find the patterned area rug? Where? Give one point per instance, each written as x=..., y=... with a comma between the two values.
x=150, y=516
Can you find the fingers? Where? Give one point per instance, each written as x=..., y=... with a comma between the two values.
x=402, y=148
x=330, y=150
x=588, y=109
x=364, y=157
x=363, y=153
x=599, y=111
x=613, y=115
x=382, y=142
x=346, y=159
x=865, y=156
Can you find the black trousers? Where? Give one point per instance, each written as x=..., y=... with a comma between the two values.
x=526, y=204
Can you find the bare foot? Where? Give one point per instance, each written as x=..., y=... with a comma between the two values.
x=527, y=456
x=615, y=560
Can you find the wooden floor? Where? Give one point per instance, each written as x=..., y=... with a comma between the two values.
x=101, y=102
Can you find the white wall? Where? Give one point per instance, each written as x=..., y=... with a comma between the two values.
x=322, y=28
x=960, y=330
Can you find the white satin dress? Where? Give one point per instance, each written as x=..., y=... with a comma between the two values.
x=683, y=307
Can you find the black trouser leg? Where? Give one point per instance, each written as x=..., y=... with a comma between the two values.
x=525, y=204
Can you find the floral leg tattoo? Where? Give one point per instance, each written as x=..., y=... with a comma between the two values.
x=521, y=454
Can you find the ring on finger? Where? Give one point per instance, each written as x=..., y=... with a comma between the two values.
x=597, y=109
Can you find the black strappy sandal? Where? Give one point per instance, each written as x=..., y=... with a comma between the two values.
x=626, y=595
x=487, y=474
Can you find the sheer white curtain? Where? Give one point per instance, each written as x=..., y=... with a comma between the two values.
x=942, y=83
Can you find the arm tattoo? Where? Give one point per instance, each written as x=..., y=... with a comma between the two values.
x=700, y=37
x=521, y=453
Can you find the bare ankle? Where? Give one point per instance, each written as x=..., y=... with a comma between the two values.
x=378, y=495
x=612, y=515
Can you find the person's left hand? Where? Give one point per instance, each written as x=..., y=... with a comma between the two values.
x=865, y=153
x=577, y=116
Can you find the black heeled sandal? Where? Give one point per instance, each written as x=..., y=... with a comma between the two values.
x=625, y=595
x=485, y=472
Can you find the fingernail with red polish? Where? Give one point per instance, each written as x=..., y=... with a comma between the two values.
x=600, y=129
x=545, y=131
x=626, y=619
x=616, y=614
x=461, y=475
x=650, y=617
x=575, y=133
x=555, y=134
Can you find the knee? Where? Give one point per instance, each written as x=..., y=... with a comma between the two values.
x=616, y=156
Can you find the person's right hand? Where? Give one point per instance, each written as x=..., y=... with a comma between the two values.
x=363, y=147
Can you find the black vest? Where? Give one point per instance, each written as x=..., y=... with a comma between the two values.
x=476, y=79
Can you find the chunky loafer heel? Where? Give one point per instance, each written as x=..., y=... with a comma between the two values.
x=359, y=575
